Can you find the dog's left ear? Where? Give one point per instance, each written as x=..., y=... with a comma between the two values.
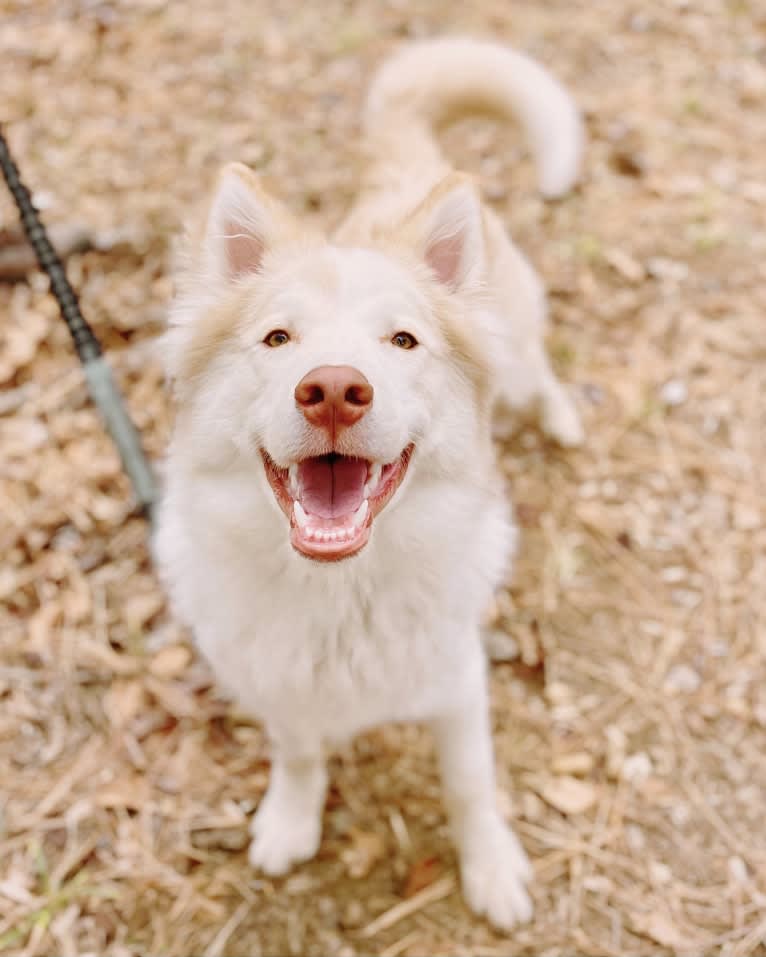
x=449, y=231
x=243, y=224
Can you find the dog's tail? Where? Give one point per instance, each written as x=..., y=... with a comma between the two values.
x=432, y=83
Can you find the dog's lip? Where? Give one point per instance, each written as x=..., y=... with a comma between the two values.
x=347, y=534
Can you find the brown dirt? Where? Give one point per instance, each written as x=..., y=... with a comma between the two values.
x=632, y=732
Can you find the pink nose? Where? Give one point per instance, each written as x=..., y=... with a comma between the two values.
x=333, y=397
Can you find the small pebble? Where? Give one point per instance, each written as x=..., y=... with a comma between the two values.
x=635, y=838
x=673, y=574
x=501, y=646
x=674, y=392
x=682, y=678
x=738, y=870
x=685, y=598
x=662, y=268
x=636, y=768
x=660, y=873
x=353, y=915
x=299, y=884
x=625, y=264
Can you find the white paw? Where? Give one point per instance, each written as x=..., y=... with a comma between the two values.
x=495, y=871
x=561, y=420
x=282, y=838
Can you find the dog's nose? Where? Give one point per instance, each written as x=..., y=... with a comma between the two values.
x=333, y=397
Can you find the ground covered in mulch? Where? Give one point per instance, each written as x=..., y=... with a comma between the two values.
x=631, y=728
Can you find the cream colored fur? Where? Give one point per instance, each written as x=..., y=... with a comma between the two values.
x=320, y=651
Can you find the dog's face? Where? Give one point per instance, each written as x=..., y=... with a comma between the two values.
x=334, y=373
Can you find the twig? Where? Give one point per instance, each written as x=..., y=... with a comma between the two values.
x=434, y=892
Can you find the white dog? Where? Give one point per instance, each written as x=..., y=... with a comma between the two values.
x=334, y=525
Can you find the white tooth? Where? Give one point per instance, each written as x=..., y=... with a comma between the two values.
x=300, y=514
x=361, y=514
x=374, y=480
x=326, y=536
x=333, y=536
x=293, y=479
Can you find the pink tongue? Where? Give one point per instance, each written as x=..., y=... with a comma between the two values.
x=332, y=487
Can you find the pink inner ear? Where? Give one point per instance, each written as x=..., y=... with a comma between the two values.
x=244, y=251
x=445, y=257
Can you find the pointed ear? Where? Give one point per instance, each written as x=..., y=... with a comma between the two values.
x=451, y=232
x=244, y=222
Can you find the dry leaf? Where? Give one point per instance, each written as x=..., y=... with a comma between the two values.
x=138, y=610
x=93, y=654
x=367, y=848
x=235, y=838
x=422, y=873
x=42, y=627
x=77, y=600
x=628, y=267
x=123, y=701
x=173, y=698
x=20, y=343
x=670, y=375
x=170, y=662
x=569, y=795
x=129, y=792
x=17, y=887
x=659, y=926
x=578, y=762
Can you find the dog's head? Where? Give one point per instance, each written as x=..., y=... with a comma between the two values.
x=334, y=375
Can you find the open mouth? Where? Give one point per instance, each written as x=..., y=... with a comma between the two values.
x=331, y=500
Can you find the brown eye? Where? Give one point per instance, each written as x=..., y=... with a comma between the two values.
x=277, y=338
x=404, y=340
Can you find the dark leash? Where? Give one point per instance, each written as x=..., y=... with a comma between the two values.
x=101, y=385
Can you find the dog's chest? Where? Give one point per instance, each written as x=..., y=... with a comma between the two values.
x=389, y=635
x=341, y=651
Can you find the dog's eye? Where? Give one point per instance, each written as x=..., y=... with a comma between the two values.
x=404, y=340
x=278, y=337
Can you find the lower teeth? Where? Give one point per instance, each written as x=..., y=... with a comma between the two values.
x=333, y=534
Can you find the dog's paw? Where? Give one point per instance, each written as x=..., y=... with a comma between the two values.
x=282, y=838
x=495, y=871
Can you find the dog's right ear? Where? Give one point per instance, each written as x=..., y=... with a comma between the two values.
x=243, y=224
x=448, y=233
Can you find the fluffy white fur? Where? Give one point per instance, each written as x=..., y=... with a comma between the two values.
x=319, y=651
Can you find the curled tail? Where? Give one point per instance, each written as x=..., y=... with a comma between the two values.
x=430, y=84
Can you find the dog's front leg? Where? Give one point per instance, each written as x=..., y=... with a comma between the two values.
x=287, y=826
x=494, y=869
